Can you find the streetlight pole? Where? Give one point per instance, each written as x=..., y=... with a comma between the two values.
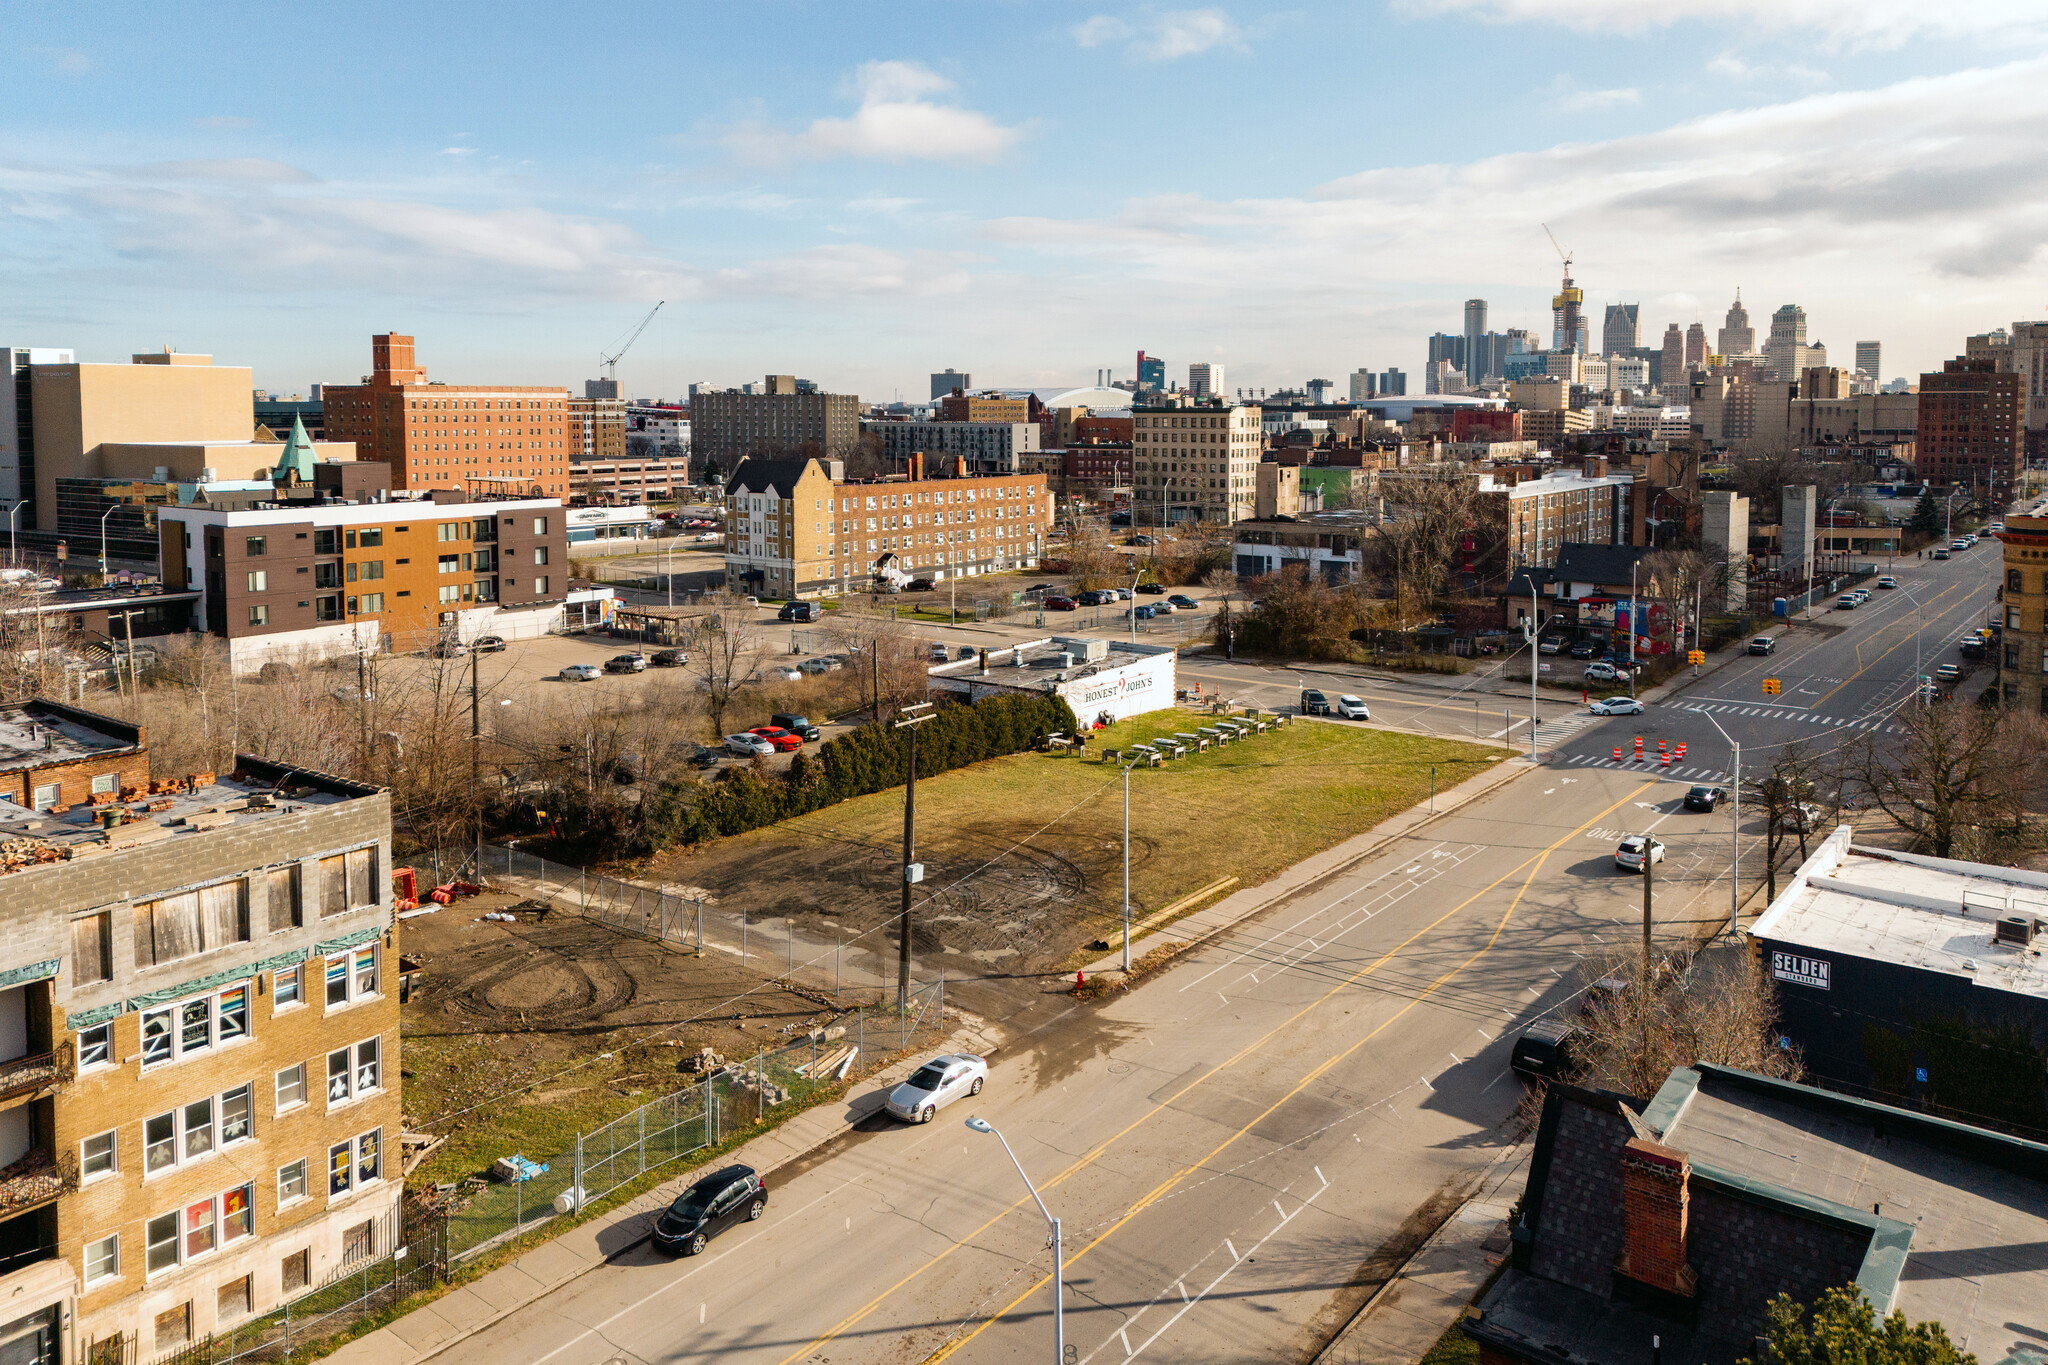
x=1127, y=867
x=1059, y=1317
x=1530, y=630
x=1633, y=627
x=912, y=872
x=1734, y=832
x=13, y=556
x=103, y=539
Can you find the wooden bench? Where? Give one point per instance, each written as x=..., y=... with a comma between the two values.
x=1195, y=742
x=1217, y=735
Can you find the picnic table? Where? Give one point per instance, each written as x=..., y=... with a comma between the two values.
x=1216, y=734
x=1195, y=742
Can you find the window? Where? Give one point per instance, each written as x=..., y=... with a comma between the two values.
x=237, y=1214
x=176, y=1031
x=291, y=1182
x=103, y=1259
x=98, y=1155
x=448, y=530
x=371, y=538
x=448, y=564
x=259, y=580
x=46, y=796
x=358, y=1243
x=95, y=1046
x=540, y=586
x=285, y=989
x=283, y=885
x=345, y=1082
x=327, y=542
x=232, y=1299
x=191, y=922
x=2012, y=581
x=372, y=602
x=161, y=1237
x=451, y=592
x=235, y=1115
x=259, y=616
x=373, y=569
x=540, y=554
x=296, y=1267
x=355, y=1163
x=340, y=1169
x=258, y=546
x=173, y=1325
x=231, y=1019
x=348, y=881
x=540, y=526
x=91, y=959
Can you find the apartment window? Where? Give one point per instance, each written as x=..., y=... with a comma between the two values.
x=291, y=1087
x=232, y=1299
x=258, y=546
x=46, y=796
x=91, y=957
x=296, y=1268
x=191, y=922
x=540, y=554
x=355, y=1163
x=103, y=1259
x=287, y=989
x=348, y=881
x=99, y=1155
x=358, y=1242
x=259, y=616
x=237, y=1214
x=235, y=1116
x=448, y=564
x=354, y=1072
x=540, y=586
x=259, y=580
x=172, y=1032
x=540, y=526
x=370, y=538
x=352, y=976
x=2012, y=581
x=447, y=530
x=451, y=592
x=95, y=1046
x=372, y=602
x=173, y=1325
x=291, y=1183
x=327, y=542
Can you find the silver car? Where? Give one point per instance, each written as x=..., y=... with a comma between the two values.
x=938, y=1082
x=581, y=673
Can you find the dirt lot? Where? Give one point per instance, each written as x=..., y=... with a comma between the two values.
x=556, y=1025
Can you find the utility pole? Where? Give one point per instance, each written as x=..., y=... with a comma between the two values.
x=476, y=741
x=913, y=872
x=1735, y=848
x=1649, y=880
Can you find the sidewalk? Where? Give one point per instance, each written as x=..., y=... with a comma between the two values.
x=1234, y=909
x=482, y=1303
x=1410, y=1311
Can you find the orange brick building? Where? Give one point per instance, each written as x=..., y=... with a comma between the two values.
x=495, y=438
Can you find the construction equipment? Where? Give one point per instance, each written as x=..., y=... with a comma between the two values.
x=1562, y=254
x=611, y=362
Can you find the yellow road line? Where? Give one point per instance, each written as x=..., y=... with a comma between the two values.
x=1863, y=668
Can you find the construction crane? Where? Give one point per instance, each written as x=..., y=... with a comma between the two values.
x=1567, y=303
x=1563, y=255
x=611, y=362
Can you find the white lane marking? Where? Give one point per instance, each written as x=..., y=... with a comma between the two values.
x=1427, y=1086
x=700, y=1314
x=1233, y=1248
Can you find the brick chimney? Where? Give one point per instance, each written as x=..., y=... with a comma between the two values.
x=1655, y=1182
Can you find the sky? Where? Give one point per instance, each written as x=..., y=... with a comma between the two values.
x=1028, y=190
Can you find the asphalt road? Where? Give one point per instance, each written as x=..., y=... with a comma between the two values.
x=1239, y=1148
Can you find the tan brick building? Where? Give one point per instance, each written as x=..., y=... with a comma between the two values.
x=597, y=429
x=199, y=1084
x=1195, y=463
x=798, y=528
x=497, y=438
x=2023, y=664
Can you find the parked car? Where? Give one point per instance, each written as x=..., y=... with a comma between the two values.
x=723, y=1199
x=449, y=649
x=964, y=652
x=700, y=757
x=799, y=611
x=786, y=673
x=581, y=673
x=1704, y=798
x=1122, y=594
x=1887, y=581
x=800, y=726
x=824, y=663
x=1846, y=602
x=1948, y=673
x=918, y=585
x=1804, y=817
x=1141, y=540
x=670, y=658
x=487, y=644
x=748, y=745
x=1617, y=706
x=938, y=1082
x=1585, y=649
x=1152, y=589
x=780, y=739
x=1353, y=708
x=1941, y=552
x=1550, y=644
x=937, y=653
x=1763, y=644
x=705, y=538
x=1040, y=589
x=1314, y=703
x=1143, y=613
x=626, y=663
x=1602, y=671
x=1182, y=602
x=1061, y=604
x=1165, y=608
x=1959, y=544
x=1545, y=1050
x=1628, y=855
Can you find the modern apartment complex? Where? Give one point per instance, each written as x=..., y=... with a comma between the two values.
x=781, y=421
x=2024, y=667
x=1972, y=426
x=1196, y=463
x=800, y=527
x=200, y=1115
x=488, y=438
x=990, y=448
x=299, y=581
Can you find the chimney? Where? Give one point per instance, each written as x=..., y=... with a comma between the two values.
x=916, y=465
x=959, y=466
x=1655, y=1182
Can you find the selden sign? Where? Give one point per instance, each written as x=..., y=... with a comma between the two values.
x=1800, y=971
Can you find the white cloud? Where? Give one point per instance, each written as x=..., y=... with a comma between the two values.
x=1164, y=35
x=241, y=169
x=895, y=121
x=223, y=122
x=850, y=271
x=1568, y=98
x=1731, y=67
x=1858, y=23
x=458, y=151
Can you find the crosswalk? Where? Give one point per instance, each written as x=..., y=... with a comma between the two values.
x=1794, y=714
x=1560, y=728
x=1649, y=766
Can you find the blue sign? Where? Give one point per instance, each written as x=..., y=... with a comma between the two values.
x=1920, y=1074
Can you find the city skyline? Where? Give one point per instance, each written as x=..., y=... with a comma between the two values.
x=864, y=203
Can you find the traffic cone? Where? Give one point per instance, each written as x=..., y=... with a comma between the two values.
x=1664, y=759
x=1617, y=753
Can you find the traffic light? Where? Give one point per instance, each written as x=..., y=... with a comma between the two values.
x=1770, y=687
x=1696, y=656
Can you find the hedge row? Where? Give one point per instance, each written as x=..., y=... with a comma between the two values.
x=869, y=759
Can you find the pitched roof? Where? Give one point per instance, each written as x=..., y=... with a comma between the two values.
x=1580, y=562
x=296, y=459
x=757, y=474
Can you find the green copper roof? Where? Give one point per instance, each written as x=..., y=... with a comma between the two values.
x=297, y=460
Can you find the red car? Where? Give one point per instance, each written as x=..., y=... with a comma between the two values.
x=782, y=739
x=1061, y=604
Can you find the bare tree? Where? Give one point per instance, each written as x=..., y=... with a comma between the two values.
x=725, y=659
x=1956, y=780
x=891, y=665
x=1428, y=511
x=1787, y=798
x=1649, y=1016
x=1688, y=578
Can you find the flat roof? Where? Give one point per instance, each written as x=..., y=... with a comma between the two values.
x=38, y=734
x=1934, y=914
x=1036, y=663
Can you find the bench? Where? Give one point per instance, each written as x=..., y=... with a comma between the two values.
x=1195, y=742
x=1217, y=735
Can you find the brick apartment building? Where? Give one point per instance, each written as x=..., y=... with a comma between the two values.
x=782, y=421
x=800, y=527
x=1972, y=426
x=490, y=438
x=597, y=429
x=199, y=1116
x=1196, y=463
x=987, y=447
x=2023, y=665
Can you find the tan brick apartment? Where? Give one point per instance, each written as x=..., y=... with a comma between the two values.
x=597, y=429
x=799, y=528
x=2023, y=668
x=498, y=437
x=199, y=1114
x=1195, y=463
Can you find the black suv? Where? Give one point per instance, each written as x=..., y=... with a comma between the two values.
x=1704, y=798
x=797, y=725
x=1586, y=649
x=670, y=658
x=798, y=611
x=1314, y=703
x=709, y=1207
x=1544, y=1051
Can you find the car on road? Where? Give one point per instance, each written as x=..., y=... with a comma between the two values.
x=487, y=644
x=748, y=745
x=1617, y=706
x=937, y=653
x=797, y=725
x=1804, y=817
x=1941, y=552
x=707, y=537
x=1628, y=854
x=937, y=1083
x=626, y=663
x=1313, y=703
x=1887, y=582
x=1353, y=708
x=1846, y=602
x=780, y=739
x=581, y=673
x=1550, y=644
x=1704, y=798
x=1545, y=1050
x=1602, y=671
x=449, y=649
x=1763, y=644
x=964, y=652
x=1949, y=673
x=1061, y=604
x=1182, y=602
x=1959, y=544
x=1152, y=589
x=1585, y=649
x=669, y=658
x=723, y=1199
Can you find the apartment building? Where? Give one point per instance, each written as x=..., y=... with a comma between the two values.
x=800, y=528
x=2023, y=672
x=1196, y=463
x=200, y=1115
x=486, y=437
x=1531, y=518
x=597, y=429
x=303, y=581
x=782, y=421
x=1971, y=426
x=18, y=427
x=989, y=448
x=984, y=407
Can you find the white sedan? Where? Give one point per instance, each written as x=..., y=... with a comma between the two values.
x=1353, y=708
x=938, y=1082
x=747, y=746
x=1617, y=706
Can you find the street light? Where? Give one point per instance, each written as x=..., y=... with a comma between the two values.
x=1059, y=1320
x=12, y=556
x=1734, y=833
x=103, y=539
x=1530, y=629
x=1127, y=864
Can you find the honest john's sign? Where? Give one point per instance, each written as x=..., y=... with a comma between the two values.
x=1801, y=971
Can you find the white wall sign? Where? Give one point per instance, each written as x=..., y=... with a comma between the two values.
x=1801, y=971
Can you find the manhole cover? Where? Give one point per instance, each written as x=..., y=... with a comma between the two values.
x=1119, y=1068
